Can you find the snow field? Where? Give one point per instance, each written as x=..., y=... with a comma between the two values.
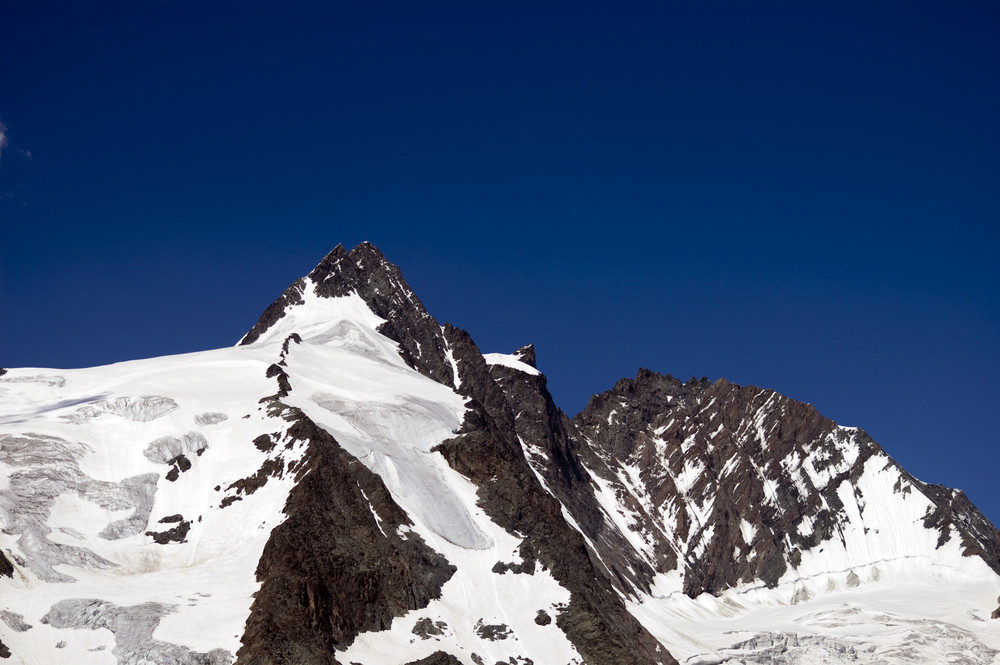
x=883, y=621
x=205, y=584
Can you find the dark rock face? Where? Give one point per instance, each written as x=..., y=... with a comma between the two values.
x=717, y=448
x=526, y=354
x=955, y=514
x=276, y=311
x=6, y=568
x=620, y=426
x=595, y=621
x=555, y=450
x=493, y=631
x=425, y=628
x=526, y=567
x=177, y=534
x=328, y=571
x=178, y=465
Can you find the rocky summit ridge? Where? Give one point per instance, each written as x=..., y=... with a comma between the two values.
x=356, y=482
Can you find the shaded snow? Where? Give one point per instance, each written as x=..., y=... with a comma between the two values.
x=909, y=615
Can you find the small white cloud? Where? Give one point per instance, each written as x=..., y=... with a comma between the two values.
x=5, y=146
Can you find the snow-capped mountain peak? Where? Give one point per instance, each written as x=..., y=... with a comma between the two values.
x=356, y=483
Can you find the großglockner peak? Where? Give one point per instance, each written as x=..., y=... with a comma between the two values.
x=356, y=483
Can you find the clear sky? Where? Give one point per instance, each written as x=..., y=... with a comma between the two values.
x=803, y=196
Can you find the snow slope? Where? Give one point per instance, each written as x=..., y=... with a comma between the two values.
x=84, y=458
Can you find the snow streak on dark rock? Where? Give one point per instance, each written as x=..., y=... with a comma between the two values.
x=555, y=450
x=749, y=450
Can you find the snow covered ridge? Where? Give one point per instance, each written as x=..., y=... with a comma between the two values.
x=356, y=483
x=510, y=361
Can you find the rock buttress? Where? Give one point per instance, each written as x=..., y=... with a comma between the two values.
x=329, y=572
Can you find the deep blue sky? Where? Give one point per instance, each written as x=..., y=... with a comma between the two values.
x=801, y=198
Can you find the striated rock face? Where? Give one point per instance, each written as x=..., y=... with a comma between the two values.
x=557, y=452
x=595, y=620
x=739, y=482
x=953, y=515
x=719, y=479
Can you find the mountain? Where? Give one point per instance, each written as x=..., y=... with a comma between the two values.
x=355, y=482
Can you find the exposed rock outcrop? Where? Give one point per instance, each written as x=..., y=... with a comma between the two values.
x=331, y=571
x=437, y=658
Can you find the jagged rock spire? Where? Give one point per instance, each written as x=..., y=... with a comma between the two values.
x=363, y=270
x=526, y=354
